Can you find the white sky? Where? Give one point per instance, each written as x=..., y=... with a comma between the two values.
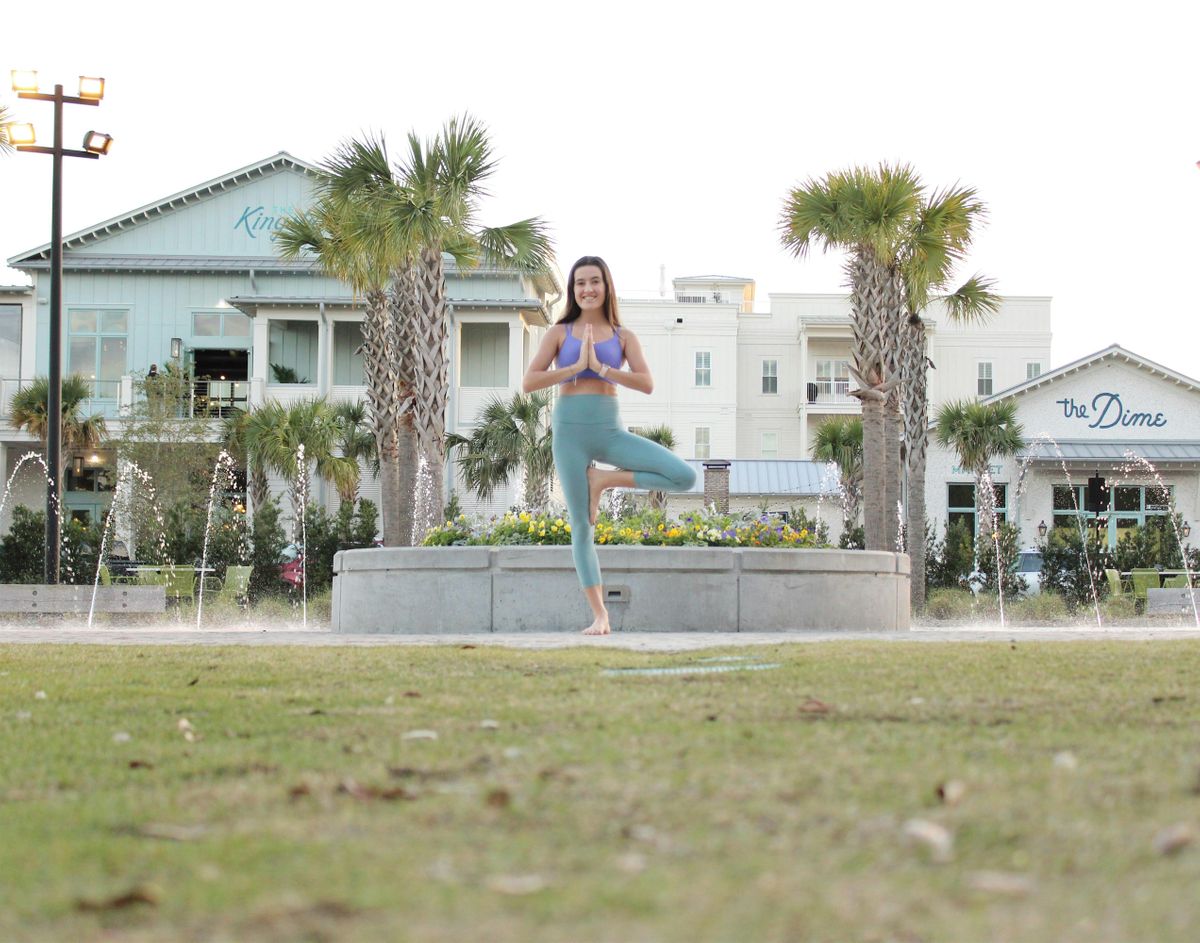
x=670, y=133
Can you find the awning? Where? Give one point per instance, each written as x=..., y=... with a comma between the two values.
x=1160, y=454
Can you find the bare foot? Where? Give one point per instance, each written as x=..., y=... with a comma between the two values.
x=599, y=627
x=596, y=488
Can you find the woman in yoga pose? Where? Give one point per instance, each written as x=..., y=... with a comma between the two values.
x=590, y=347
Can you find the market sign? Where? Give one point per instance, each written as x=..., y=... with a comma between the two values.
x=1107, y=411
x=257, y=219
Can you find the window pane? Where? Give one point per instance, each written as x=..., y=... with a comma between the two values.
x=961, y=496
x=967, y=518
x=1064, y=500
x=237, y=325
x=292, y=354
x=81, y=357
x=484, y=355
x=1158, y=499
x=701, y=450
x=114, y=322
x=1128, y=499
x=10, y=341
x=1067, y=521
x=1033, y=370
x=770, y=384
x=112, y=365
x=347, y=354
x=206, y=325
x=82, y=322
x=1001, y=492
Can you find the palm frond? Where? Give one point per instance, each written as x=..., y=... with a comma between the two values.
x=524, y=245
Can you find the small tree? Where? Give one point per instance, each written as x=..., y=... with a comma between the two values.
x=979, y=432
x=664, y=436
x=840, y=440
x=512, y=435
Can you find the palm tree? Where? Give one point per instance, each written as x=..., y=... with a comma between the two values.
x=869, y=214
x=347, y=233
x=234, y=428
x=422, y=212
x=941, y=234
x=510, y=436
x=665, y=437
x=274, y=433
x=30, y=411
x=840, y=440
x=354, y=442
x=979, y=432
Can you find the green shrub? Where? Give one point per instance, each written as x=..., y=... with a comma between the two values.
x=1064, y=570
x=949, y=561
x=997, y=552
x=1042, y=609
x=353, y=526
x=23, y=549
x=267, y=543
x=945, y=604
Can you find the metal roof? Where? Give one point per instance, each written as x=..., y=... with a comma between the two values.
x=249, y=303
x=1156, y=452
x=89, y=262
x=772, y=477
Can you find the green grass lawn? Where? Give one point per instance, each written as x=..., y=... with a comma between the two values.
x=741, y=806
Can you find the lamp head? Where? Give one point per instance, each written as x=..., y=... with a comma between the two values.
x=21, y=134
x=90, y=87
x=24, y=80
x=96, y=142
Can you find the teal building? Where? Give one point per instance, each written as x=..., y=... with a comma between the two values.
x=194, y=278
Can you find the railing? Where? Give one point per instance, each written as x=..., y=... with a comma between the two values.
x=830, y=392
x=105, y=398
x=203, y=399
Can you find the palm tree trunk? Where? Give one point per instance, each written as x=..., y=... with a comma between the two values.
x=892, y=425
x=916, y=417
x=430, y=380
x=404, y=476
x=260, y=486
x=874, y=462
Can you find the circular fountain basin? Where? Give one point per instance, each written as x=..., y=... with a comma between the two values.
x=702, y=589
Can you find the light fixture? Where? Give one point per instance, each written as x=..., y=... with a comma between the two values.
x=91, y=88
x=24, y=80
x=1186, y=530
x=97, y=142
x=94, y=459
x=176, y=347
x=78, y=464
x=21, y=135
x=1042, y=529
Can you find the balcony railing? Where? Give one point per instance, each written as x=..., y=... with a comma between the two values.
x=830, y=392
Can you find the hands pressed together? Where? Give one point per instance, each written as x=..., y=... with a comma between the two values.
x=587, y=353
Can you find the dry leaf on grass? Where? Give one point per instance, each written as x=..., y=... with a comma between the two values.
x=517, y=884
x=121, y=737
x=814, y=706
x=488, y=724
x=420, y=735
x=39, y=695
x=631, y=863
x=1065, y=760
x=1002, y=883
x=390, y=794
x=168, y=832
x=140, y=764
x=141, y=894
x=1173, y=839
x=952, y=791
x=936, y=839
x=498, y=799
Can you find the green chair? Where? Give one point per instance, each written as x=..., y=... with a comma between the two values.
x=105, y=576
x=236, y=588
x=1116, y=588
x=1175, y=582
x=151, y=577
x=180, y=582
x=1142, y=580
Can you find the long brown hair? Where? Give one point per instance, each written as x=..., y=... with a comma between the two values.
x=610, y=296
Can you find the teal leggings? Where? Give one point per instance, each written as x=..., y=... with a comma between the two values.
x=587, y=428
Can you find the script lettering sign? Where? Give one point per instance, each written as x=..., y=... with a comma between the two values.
x=1107, y=411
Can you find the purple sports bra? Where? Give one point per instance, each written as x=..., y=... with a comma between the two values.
x=608, y=352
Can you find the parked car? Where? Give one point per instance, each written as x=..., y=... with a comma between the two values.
x=1029, y=568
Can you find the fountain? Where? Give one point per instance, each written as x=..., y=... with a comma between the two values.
x=224, y=462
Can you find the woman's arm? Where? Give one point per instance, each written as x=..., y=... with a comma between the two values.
x=637, y=377
x=538, y=376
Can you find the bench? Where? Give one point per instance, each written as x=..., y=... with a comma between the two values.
x=35, y=597
x=1170, y=602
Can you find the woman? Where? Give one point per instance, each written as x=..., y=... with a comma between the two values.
x=590, y=347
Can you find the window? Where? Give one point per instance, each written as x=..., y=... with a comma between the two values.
x=10, y=341
x=769, y=445
x=833, y=378
x=703, y=368
x=691, y=299
x=484, y=356
x=960, y=503
x=770, y=376
x=97, y=348
x=984, y=381
x=220, y=324
x=1130, y=507
x=701, y=440
x=1033, y=369
x=292, y=353
x=347, y=354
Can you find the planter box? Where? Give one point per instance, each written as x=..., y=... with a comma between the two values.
x=674, y=589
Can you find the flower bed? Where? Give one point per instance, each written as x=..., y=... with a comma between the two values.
x=648, y=529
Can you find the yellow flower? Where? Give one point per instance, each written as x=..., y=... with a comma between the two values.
x=660, y=526
x=568, y=528
x=524, y=515
x=559, y=522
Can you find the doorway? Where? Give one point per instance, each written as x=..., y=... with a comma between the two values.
x=221, y=380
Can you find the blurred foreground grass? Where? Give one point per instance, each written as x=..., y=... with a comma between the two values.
x=488, y=794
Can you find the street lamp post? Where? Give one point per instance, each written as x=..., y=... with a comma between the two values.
x=91, y=90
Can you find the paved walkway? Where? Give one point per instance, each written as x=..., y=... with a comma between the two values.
x=637, y=641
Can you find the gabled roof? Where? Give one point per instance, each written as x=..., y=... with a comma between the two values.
x=711, y=278
x=1114, y=352
x=281, y=161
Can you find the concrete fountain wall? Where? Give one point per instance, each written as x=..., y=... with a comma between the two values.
x=534, y=589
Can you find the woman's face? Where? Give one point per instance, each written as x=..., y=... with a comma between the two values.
x=589, y=288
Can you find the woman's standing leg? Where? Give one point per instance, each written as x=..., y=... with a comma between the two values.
x=574, y=445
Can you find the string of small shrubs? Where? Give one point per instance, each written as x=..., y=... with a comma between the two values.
x=649, y=528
